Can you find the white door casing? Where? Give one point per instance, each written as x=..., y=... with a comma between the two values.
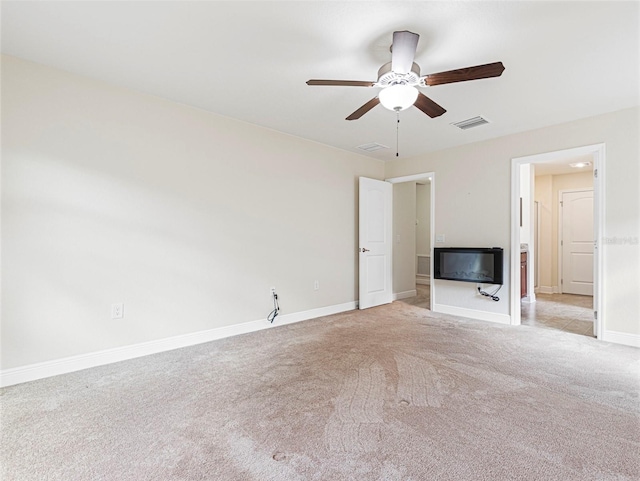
x=577, y=241
x=375, y=242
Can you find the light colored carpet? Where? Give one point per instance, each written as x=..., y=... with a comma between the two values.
x=390, y=393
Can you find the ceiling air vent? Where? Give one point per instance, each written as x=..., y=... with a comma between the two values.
x=471, y=123
x=372, y=147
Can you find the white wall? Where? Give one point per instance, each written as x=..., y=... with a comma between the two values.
x=404, y=237
x=472, y=206
x=188, y=218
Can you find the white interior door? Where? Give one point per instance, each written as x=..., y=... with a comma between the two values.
x=375, y=242
x=577, y=242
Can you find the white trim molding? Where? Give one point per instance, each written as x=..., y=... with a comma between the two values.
x=472, y=313
x=624, y=338
x=410, y=178
x=404, y=295
x=547, y=290
x=32, y=372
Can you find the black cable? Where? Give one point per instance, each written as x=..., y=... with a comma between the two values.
x=276, y=309
x=492, y=295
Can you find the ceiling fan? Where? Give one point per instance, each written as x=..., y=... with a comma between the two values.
x=399, y=78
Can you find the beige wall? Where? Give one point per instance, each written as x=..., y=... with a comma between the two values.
x=472, y=205
x=544, y=197
x=188, y=218
x=404, y=237
x=423, y=215
x=548, y=196
x=411, y=232
x=469, y=211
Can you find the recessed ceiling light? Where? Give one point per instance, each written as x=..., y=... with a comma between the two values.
x=579, y=165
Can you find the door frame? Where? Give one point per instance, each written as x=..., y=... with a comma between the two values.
x=561, y=233
x=536, y=246
x=598, y=154
x=432, y=197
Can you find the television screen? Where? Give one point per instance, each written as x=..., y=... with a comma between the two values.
x=468, y=264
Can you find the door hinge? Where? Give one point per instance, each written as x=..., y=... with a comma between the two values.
x=561, y=281
x=595, y=315
x=595, y=173
x=561, y=242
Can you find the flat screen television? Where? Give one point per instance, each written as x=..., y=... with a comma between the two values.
x=482, y=265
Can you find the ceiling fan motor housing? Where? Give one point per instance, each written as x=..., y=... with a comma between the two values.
x=387, y=77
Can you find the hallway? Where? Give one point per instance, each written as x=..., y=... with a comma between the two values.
x=563, y=312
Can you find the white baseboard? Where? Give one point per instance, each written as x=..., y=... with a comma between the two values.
x=547, y=290
x=472, y=313
x=32, y=372
x=621, y=338
x=425, y=281
x=530, y=299
x=405, y=294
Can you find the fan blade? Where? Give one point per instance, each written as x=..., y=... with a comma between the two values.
x=343, y=83
x=403, y=50
x=364, y=109
x=463, y=74
x=428, y=106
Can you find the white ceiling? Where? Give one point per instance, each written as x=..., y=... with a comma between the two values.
x=250, y=60
x=562, y=166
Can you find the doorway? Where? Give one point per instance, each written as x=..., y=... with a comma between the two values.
x=413, y=238
x=546, y=281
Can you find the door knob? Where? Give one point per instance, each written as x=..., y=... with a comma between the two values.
x=364, y=250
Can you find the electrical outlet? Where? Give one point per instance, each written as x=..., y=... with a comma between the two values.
x=272, y=291
x=117, y=311
x=316, y=285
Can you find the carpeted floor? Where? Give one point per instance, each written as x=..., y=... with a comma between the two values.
x=391, y=393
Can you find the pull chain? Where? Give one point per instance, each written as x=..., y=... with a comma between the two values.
x=397, y=130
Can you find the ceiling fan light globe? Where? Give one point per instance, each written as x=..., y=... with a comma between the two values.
x=398, y=97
